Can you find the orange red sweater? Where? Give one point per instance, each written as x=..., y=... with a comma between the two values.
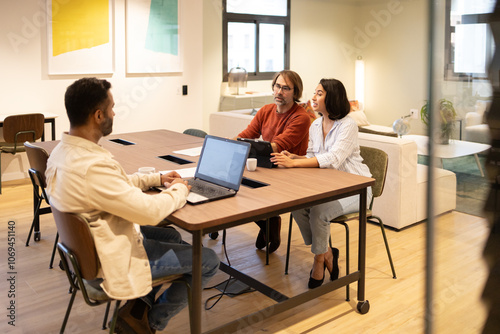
x=289, y=131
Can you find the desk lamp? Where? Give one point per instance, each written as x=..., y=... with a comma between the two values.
x=237, y=78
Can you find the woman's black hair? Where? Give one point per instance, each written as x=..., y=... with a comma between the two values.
x=336, y=101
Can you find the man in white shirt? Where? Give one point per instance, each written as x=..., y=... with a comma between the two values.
x=83, y=177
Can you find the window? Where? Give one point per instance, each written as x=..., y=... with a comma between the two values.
x=256, y=36
x=469, y=44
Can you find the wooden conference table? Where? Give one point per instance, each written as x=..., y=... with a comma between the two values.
x=288, y=189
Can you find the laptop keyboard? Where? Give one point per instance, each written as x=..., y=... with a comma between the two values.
x=205, y=189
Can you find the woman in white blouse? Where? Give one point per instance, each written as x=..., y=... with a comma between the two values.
x=333, y=143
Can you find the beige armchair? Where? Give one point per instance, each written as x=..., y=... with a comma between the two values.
x=475, y=128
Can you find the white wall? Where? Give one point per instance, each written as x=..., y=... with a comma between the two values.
x=142, y=103
x=326, y=38
x=395, y=60
x=320, y=32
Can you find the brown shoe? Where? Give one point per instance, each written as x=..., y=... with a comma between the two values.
x=133, y=318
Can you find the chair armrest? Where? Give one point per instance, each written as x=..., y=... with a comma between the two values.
x=473, y=118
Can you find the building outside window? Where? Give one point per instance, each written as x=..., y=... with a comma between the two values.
x=256, y=36
x=468, y=42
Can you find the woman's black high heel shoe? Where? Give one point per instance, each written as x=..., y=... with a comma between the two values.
x=335, y=265
x=314, y=283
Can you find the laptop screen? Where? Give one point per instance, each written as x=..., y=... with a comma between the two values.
x=222, y=161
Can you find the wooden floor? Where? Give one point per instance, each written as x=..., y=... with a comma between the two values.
x=397, y=305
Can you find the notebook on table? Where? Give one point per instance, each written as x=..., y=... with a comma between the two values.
x=261, y=150
x=219, y=171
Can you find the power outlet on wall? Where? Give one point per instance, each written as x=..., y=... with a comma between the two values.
x=414, y=113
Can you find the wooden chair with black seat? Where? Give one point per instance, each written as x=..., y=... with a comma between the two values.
x=38, y=157
x=81, y=264
x=377, y=161
x=16, y=130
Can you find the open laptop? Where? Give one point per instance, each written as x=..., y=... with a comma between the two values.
x=219, y=170
x=261, y=150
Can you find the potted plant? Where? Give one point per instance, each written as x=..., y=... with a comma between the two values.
x=447, y=119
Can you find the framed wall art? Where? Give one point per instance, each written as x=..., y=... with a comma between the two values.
x=80, y=37
x=152, y=36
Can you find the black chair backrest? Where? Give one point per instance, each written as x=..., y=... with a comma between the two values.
x=377, y=161
x=74, y=234
x=21, y=128
x=195, y=132
x=37, y=158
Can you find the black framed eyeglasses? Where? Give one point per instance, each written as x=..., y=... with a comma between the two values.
x=278, y=87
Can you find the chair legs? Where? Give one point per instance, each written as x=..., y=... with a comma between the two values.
x=288, y=244
x=386, y=244
x=68, y=311
x=347, y=247
x=115, y=316
x=54, y=251
x=35, y=215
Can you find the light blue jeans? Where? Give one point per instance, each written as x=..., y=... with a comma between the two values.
x=169, y=255
x=314, y=222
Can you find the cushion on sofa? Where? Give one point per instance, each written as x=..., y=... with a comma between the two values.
x=360, y=117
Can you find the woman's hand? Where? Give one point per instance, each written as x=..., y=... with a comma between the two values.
x=284, y=159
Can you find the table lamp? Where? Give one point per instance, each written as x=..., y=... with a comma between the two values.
x=237, y=78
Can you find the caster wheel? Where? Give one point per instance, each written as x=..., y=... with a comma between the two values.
x=363, y=307
x=213, y=235
x=37, y=236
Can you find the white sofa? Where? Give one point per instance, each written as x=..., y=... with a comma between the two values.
x=403, y=202
x=476, y=129
x=229, y=123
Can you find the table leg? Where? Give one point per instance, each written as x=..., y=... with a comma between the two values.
x=267, y=243
x=52, y=122
x=362, y=246
x=36, y=219
x=479, y=164
x=195, y=316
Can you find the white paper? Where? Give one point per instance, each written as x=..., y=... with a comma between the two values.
x=192, y=152
x=184, y=173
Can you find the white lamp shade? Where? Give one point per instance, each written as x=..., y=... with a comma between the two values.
x=359, y=88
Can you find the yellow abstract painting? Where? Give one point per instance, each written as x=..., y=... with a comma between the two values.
x=79, y=24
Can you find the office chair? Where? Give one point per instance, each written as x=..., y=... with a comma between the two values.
x=37, y=157
x=81, y=264
x=195, y=132
x=377, y=161
x=16, y=130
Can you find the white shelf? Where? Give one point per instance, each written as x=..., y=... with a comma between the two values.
x=244, y=101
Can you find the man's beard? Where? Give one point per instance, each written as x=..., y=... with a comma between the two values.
x=107, y=126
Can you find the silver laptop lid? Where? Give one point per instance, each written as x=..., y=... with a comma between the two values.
x=222, y=161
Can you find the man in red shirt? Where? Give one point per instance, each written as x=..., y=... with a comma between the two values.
x=284, y=124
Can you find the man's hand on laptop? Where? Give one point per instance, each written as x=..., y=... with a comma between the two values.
x=171, y=178
x=179, y=180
